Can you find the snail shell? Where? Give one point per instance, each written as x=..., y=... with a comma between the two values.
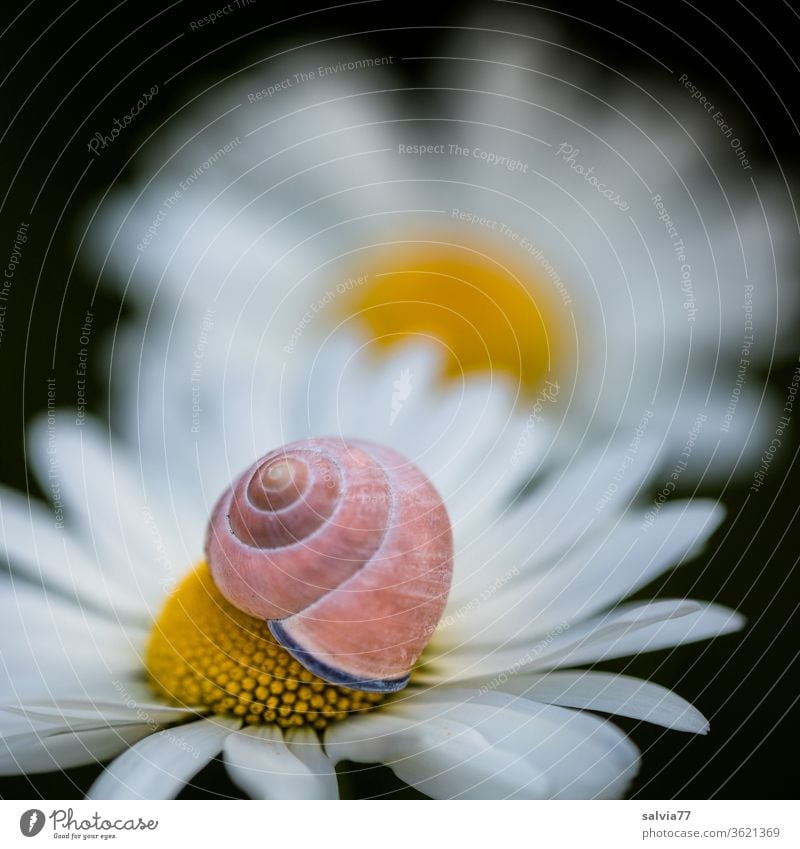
x=345, y=547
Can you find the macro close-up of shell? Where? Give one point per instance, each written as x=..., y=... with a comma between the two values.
x=346, y=549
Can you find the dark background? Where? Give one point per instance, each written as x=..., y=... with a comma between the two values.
x=69, y=69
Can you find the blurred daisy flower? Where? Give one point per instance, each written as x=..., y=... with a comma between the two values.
x=537, y=212
x=118, y=647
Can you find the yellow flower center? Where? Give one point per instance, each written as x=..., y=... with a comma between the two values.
x=204, y=653
x=510, y=316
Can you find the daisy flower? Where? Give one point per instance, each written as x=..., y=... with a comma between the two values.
x=541, y=213
x=118, y=647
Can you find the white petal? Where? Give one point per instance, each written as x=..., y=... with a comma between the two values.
x=103, y=502
x=719, y=454
x=627, y=630
x=461, y=436
x=77, y=712
x=605, y=568
x=267, y=766
x=37, y=547
x=566, y=504
x=295, y=167
x=456, y=744
x=186, y=462
x=442, y=757
x=46, y=750
x=361, y=399
x=615, y=694
x=50, y=648
x=160, y=765
x=635, y=628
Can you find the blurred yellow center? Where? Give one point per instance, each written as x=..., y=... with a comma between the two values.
x=503, y=316
x=204, y=653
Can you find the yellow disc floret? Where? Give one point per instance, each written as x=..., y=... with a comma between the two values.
x=204, y=653
x=491, y=315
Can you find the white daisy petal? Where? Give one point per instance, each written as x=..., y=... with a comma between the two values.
x=154, y=413
x=639, y=627
x=310, y=391
x=305, y=745
x=491, y=456
x=525, y=79
x=103, y=502
x=444, y=758
x=267, y=766
x=724, y=451
x=454, y=744
x=37, y=547
x=566, y=504
x=459, y=435
x=627, y=630
x=40, y=736
x=588, y=578
x=620, y=695
x=49, y=647
x=363, y=395
x=62, y=748
x=287, y=175
x=160, y=765
x=76, y=712
x=230, y=411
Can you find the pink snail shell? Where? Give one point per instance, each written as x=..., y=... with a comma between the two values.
x=345, y=548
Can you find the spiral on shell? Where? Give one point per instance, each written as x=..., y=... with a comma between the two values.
x=345, y=548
